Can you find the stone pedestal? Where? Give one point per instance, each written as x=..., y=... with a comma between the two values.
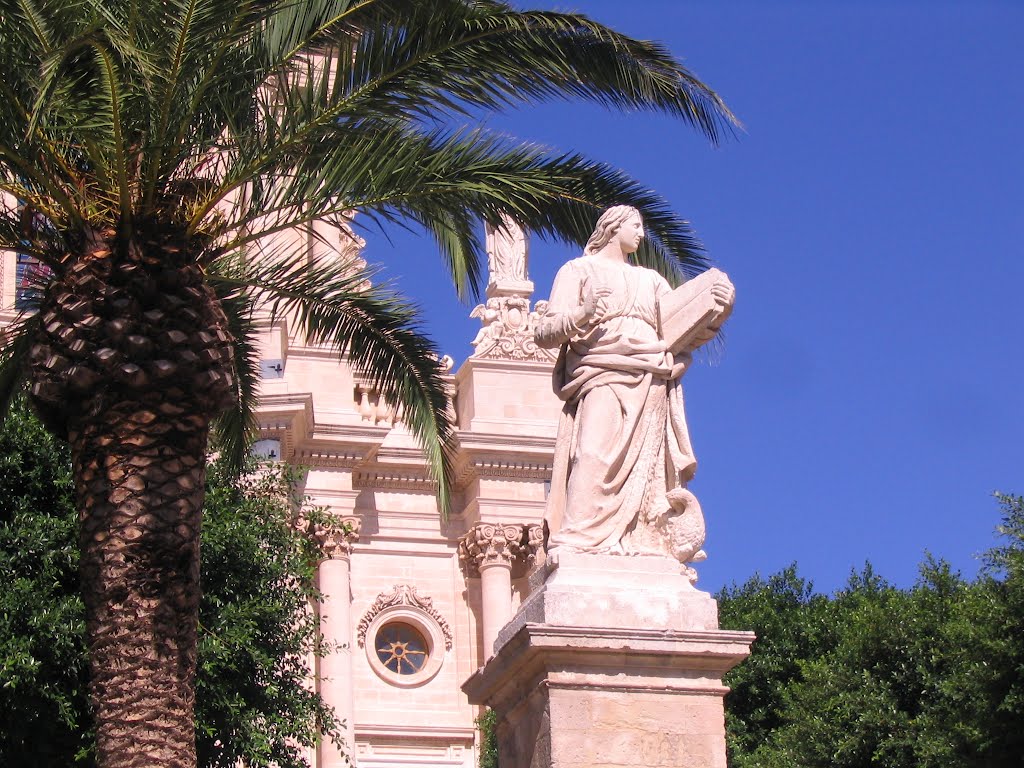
x=612, y=661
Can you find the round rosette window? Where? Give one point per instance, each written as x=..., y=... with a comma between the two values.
x=405, y=646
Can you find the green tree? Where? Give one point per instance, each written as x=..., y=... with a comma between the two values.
x=788, y=619
x=149, y=149
x=926, y=677
x=983, y=695
x=255, y=627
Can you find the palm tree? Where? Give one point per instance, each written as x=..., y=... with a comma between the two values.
x=149, y=150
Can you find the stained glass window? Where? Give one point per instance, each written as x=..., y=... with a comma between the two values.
x=401, y=648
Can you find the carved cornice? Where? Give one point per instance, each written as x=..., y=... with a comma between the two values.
x=315, y=457
x=402, y=595
x=517, y=470
x=393, y=479
x=492, y=455
x=487, y=544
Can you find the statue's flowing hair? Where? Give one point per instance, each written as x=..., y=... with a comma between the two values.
x=608, y=225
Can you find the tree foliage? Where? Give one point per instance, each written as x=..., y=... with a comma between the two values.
x=926, y=677
x=256, y=626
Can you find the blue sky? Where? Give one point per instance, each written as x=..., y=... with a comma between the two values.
x=868, y=400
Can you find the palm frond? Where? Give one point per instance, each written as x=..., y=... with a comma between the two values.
x=464, y=57
x=15, y=345
x=235, y=428
x=388, y=60
x=445, y=181
x=369, y=325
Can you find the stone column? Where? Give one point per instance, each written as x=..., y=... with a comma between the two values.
x=488, y=551
x=334, y=668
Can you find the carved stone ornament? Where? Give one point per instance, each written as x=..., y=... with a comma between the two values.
x=350, y=245
x=498, y=544
x=335, y=538
x=534, y=542
x=507, y=326
x=402, y=595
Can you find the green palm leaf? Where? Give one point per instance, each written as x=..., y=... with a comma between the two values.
x=378, y=332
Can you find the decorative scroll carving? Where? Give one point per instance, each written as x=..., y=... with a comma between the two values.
x=534, y=545
x=350, y=245
x=335, y=537
x=507, y=327
x=402, y=595
x=492, y=543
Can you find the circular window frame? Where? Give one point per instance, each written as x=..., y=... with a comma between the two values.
x=426, y=625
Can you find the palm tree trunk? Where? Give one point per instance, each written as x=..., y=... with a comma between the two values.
x=133, y=361
x=139, y=481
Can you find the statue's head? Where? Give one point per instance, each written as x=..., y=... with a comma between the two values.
x=609, y=224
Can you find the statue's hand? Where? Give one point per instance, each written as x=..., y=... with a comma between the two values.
x=594, y=307
x=723, y=292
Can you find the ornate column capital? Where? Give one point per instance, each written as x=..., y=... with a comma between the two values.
x=487, y=544
x=335, y=537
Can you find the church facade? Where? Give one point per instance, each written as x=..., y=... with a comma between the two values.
x=412, y=602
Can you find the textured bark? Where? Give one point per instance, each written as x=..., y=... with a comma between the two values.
x=132, y=363
x=140, y=498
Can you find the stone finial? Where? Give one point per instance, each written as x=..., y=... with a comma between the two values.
x=506, y=321
x=490, y=544
x=337, y=537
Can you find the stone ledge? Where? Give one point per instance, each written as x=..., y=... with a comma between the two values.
x=608, y=658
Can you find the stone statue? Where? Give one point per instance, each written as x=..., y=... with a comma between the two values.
x=623, y=454
x=490, y=329
x=506, y=251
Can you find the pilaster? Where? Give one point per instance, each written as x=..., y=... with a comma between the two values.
x=334, y=666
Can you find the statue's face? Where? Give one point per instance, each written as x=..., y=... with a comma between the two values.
x=630, y=233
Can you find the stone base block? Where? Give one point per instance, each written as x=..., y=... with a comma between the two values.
x=583, y=590
x=584, y=697
x=611, y=661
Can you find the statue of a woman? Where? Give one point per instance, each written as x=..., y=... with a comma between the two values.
x=507, y=249
x=623, y=451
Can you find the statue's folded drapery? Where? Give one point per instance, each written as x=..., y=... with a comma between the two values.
x=622, y=439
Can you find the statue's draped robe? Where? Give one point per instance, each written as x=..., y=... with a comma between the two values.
x=622, y=438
